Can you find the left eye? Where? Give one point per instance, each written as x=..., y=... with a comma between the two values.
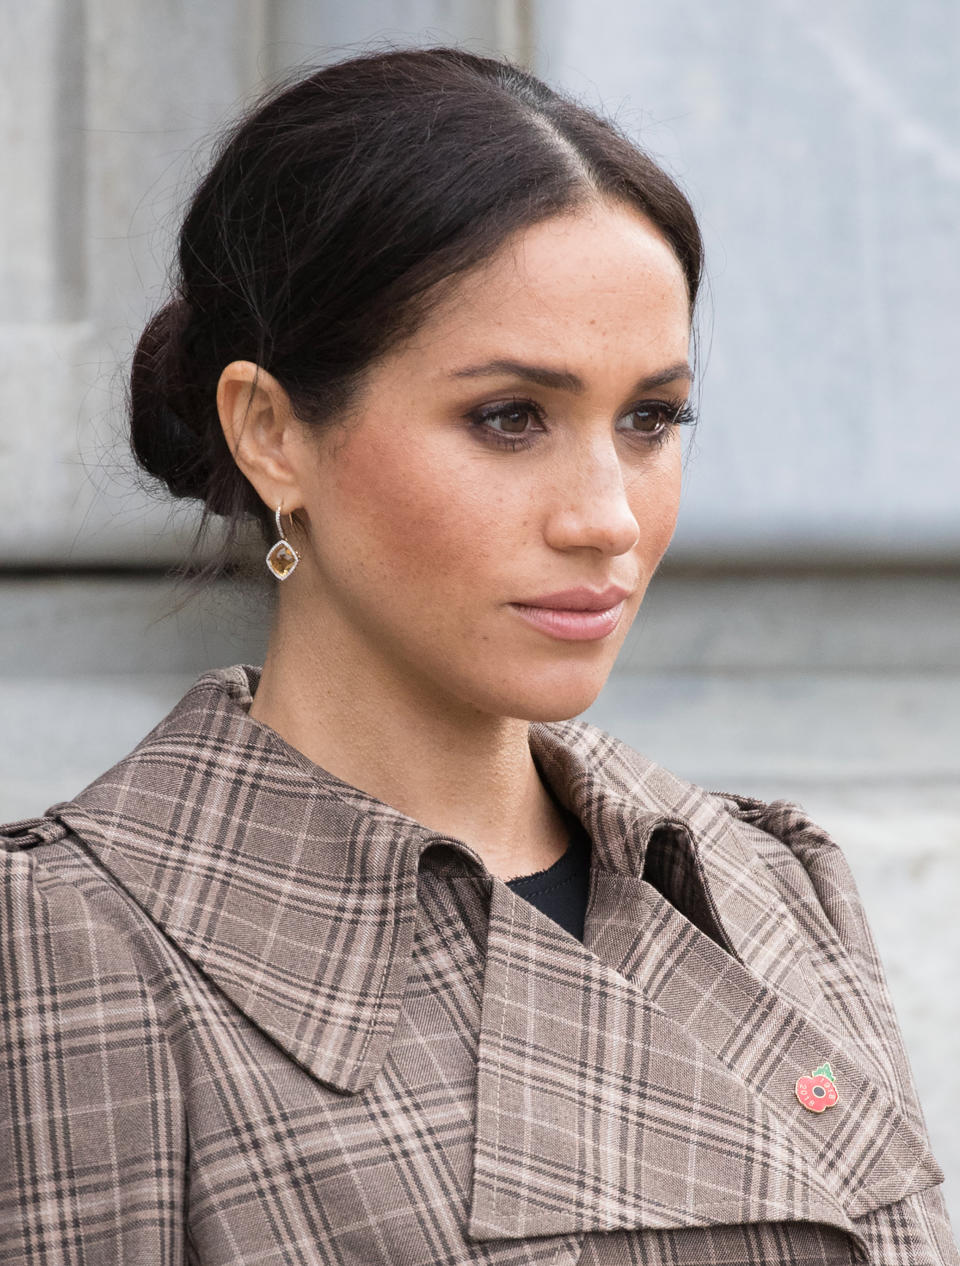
x=651, y=419
x=512, y=418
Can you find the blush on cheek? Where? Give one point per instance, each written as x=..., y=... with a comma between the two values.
x=656, y=509
x=405, y=518
x=666, y=525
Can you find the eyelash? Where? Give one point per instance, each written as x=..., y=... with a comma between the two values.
x=673, y=414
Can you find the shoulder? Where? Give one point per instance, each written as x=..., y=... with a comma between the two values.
x=77, y=954
x=806, y=863
x=70, y=936
x=44, y=905
x=94, y=1098
x=808, y=869
x=54, y=887
x=778, y=840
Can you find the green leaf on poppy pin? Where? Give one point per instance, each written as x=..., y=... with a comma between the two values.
x=825, y=1071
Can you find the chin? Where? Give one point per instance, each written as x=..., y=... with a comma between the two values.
x=565, y=696
x=560, y=712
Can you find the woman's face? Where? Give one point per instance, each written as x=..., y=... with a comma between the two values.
x=521, y=444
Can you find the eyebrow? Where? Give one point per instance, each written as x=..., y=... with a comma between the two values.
x=563, y=380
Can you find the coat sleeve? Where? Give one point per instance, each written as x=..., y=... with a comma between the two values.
x=92, y=1138
x=916, y=1229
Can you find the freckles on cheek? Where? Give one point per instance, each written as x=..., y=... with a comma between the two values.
x=656, y=505
x=404, y=516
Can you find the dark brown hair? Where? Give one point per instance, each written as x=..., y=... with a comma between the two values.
x=329, y=216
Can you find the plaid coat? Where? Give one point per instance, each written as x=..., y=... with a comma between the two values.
x=252, y=1014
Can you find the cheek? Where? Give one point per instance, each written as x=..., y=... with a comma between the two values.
x=655, y=501
x=416, y=516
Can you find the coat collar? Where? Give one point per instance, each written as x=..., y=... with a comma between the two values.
x=293, y=890
x=296, y=893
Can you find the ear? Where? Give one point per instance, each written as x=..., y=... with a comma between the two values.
x=261, y=432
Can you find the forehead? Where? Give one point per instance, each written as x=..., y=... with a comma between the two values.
x=599, y=280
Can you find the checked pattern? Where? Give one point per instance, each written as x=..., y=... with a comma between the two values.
x=252, y=1014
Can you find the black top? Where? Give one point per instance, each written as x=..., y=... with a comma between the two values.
x=561, y=891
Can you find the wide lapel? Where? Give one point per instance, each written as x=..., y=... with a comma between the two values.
x=826, y=904
x=646, y=1078
x=596, y=1111
x=293, y=891
x=765, y=1015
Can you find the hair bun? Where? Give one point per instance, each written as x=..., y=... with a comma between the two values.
x=165, y=439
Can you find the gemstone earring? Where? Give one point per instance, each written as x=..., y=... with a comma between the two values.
x=282, y=558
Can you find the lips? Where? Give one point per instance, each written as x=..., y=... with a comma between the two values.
x=575, y=615
x=579, y=599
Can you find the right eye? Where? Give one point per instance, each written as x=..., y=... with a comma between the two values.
x=506, y=424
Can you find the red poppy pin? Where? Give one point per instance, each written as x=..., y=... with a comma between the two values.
x=819, y=1091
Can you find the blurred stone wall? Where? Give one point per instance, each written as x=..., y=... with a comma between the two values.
x=109, y=109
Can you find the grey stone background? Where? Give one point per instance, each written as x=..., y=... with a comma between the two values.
x=802, y=639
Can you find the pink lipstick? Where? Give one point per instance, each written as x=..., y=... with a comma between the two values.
x=575, y=615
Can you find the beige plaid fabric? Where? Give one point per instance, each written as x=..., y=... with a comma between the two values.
x=252, y=1014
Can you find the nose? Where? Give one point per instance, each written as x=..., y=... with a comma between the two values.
x=591, y=508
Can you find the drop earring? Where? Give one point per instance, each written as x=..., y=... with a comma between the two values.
x=282, y=557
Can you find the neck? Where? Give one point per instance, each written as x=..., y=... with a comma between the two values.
x=455, y=769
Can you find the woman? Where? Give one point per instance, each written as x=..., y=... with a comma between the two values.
x=373, y=955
